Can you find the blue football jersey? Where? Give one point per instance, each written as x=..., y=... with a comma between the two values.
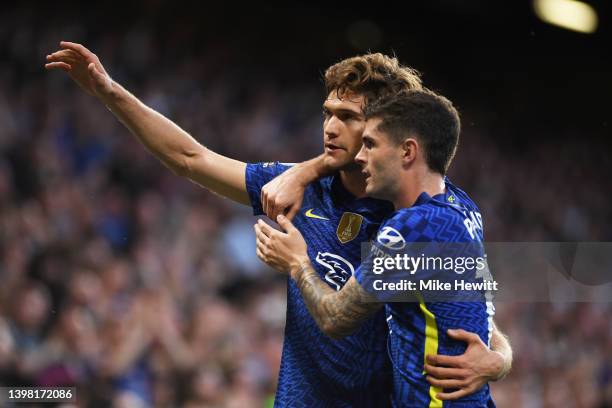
x=419, y=327
x=317, y=371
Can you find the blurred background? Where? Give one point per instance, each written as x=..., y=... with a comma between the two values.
x=143, y=289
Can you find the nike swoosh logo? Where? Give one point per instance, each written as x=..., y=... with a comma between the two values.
x=311, y=215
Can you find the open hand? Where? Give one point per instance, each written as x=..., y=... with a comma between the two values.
x=83, y=66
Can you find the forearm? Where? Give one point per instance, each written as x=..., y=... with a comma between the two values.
x=312, y=170
x=337, y=313
x=501, y=345
x=168, y=142
x=176, y=149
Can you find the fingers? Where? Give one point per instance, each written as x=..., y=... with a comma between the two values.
x=444, y=361
x=285, y=223
x=264, y=200
x=261, y=242
x=260, y=234
x=78, y=48
x=260, y=255
x=268, y=202
x=446, y=383
x=58, y=65
x=64, y=54
x=262, y=248
x=445, y=373
x=292, y=211
x=463, y=335
x=447, y=396
x=272, y=210
x=95, y=74
x=65, y=57
x=266, y=229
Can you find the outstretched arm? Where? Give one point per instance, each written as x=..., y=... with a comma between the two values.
x=337, y=313
x=174, y=147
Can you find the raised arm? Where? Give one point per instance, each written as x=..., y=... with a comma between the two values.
x=174, y=147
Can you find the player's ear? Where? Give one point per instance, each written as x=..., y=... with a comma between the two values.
x=409, y=149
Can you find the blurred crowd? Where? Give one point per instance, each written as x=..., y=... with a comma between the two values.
x=142, y=289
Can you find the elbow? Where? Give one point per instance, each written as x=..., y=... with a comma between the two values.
x=335, y=335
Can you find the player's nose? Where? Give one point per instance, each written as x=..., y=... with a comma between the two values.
x=361, y=157
x=332, y=127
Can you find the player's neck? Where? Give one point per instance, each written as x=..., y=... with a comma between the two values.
x=424, y=181
x=354, y=182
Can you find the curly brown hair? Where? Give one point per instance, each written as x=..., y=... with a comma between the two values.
x=371, y=75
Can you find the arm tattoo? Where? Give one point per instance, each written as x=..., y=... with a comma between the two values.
x=337, y=313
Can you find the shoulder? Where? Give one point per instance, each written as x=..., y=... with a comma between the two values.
x=274, y=166
x=460, y=197
x=422, y=213
x=405, y=225
x=407, y=217
x=431, y=221
x=266, y=169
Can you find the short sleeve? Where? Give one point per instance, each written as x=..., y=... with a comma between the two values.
x=256, y=176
